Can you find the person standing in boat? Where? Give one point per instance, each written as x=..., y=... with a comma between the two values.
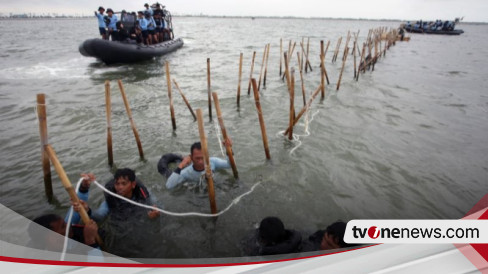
x=143, y=26
x=158, y=18
x=151, y=28
x=148, y=9
x=113, y=21
x=101, y=23
x=192, y=167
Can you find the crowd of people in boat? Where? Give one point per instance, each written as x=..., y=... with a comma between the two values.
x=149, y=26
x=271, y=238
x=432, y=26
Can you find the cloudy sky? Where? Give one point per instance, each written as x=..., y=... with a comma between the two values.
x=472, y=10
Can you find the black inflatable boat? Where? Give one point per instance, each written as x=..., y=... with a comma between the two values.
x=111, y=52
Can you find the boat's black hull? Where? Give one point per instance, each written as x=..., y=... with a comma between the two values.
x=427, y=31
x=120, y=52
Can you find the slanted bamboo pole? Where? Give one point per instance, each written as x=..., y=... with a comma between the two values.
x=170, y=96
x=361, y=61
x=228, y=148
x=262, y=66
x=239, y=81
x=209, y=90
x=301, y=80
x=342, y=69
x=250, y=74
x=184, y=99
x=261, y=119
x=266, y=66
x=338, y=45
x=289, y=54
x=325, y=69
x=303, y=57
x=292, y=104
x=347, y=44
x=67, y=185
x=132, y=123
x=308, y=61
x=46, y=166
x=206, y=158
x=302, y=111
x=108, y=110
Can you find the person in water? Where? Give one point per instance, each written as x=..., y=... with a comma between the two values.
x=124, y=184
x=101, y=23
x=330, y=238
x=271, y=238
x=85, y=234
x=192, y=167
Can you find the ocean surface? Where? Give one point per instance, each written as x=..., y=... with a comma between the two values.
x=406, y=141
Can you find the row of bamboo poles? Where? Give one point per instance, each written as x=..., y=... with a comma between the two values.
x=373, y=46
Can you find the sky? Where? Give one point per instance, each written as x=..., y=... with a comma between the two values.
x=471, y=10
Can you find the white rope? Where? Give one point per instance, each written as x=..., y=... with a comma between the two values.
x=219, y=132
x=68, y=224
x=296, y=137
x=177, y=214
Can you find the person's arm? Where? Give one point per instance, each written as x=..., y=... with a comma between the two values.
x=217, y=163
x=100, y=213
x=83, y=194
x=178, y=175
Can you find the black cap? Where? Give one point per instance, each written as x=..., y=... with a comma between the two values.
x=100, y=8
x=146, y=5
x=110, y=10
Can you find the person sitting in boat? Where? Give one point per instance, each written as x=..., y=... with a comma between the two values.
x=143, y=26
x=124, y=184
x=121, y=34
x=85, y=234
x=101, y=23
x=192, y=167
x=113, y=20
x=151, y=28
x=158, y=19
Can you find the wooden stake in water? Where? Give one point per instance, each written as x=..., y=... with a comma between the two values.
x=261, y=119
x=239, y=81
x=69, y=188
x=262, y=66
x=184, y=99
x=266, y=66
x=108, y=110
x=206, y=158
x=308, y=61
x=295, y=121
x=132, y=123
x=209, y=90
x=292, y=104
x=361, y=61
x=250, y=75
x=301, y=80
x=342, y=69
x=170, y=96
x=228, y=148
x=322, y=74
x=46, y=165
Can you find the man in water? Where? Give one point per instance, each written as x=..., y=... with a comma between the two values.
x=123, y=184
x=193, y=166
x=101, y=23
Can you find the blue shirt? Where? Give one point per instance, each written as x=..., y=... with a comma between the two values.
x=190, y=174
x=113, y=21
x=151, y=24
x=143, y=23
x=101, y=23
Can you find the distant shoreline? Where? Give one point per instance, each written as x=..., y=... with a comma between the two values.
x=223, y=17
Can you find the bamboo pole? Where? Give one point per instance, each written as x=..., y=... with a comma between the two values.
x=46, y=166
x=250, y=75
x=281, y=55
x=302, y=111
x=342, y=69
x=184, y=99
x=208, y=170
x=262, y=66
x=338, y=45
x=261, y=119
x=301, y=80
x=287, y=71
x=266, y=66
x=322, y=76
x=170, y=96
x=209, y=90
x=361, y=61
x=290, y=53
x=239, y=81
x=347, y=44
x=303, y=57
x=308, y=61
x=108, y=110
x=132, y=123
x=67, y=185
x=325, y=69
x=228, y=148
x=292, y=104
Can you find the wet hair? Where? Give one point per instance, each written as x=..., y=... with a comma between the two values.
x=271, y=230
x=336, y=231
x=196, y=145
x=46, y=220
x=125, y=173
